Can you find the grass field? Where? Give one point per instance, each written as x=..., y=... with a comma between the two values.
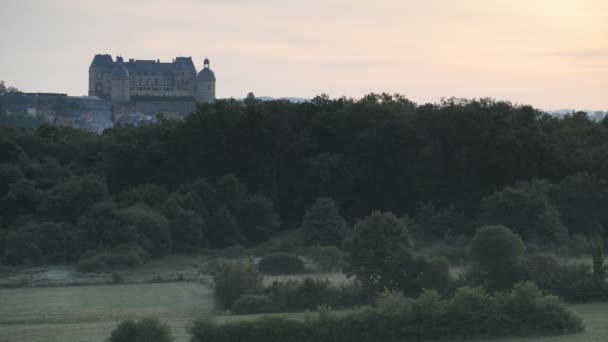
x=89, y=313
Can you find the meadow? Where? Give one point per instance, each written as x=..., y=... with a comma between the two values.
x=89, y=313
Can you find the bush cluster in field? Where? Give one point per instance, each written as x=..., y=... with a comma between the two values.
x=238, y=287
x=470, y=313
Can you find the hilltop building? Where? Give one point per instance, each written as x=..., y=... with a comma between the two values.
x=123, y=82
x=134, y=92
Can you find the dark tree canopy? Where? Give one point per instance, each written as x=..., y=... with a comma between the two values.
x=237, y=173
x=496, y=257
x=323, y=225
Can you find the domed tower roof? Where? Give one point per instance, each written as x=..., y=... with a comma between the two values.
x=119, y=70
x=206, y=74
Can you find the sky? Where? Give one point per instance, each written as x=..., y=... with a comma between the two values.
x=552, y=54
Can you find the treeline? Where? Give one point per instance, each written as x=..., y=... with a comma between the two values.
x=217, y=177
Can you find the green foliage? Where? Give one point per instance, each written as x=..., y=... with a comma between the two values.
x=144, y=330
x=9, y=151
x=223, y=229
x=582, y=199
x=233, y=279
x=71, y=198
x=496, y=256
x=281, y=263
x=528, y=209
x=432, y=224
x=572, y=282
x=380, y=255
x=252, y=304
x=9, y=174
x=325, y=258
x=120, y=257
x=152, y=228
x=36, y=243
x=596, y=248
x=471, y=313
x=323, y=225
x=151, y=194
x=187, y=229
x=436, y=275
x=258, y=218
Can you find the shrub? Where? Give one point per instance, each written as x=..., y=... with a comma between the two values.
x=145, y=330
x=573, y=283
x=281, y=263
x=251, y=304
x=123, y=256
x=326, y=258
x=436, y=276
x=117, y=278
x=496, y=257
x=234, y=279
x=471, y=313
x=291, y=296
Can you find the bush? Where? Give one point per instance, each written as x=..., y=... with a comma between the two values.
x=251, y=304
x=292, y=296
x=496, y=257
x=326, y=258
x=145, y=330
x=234, y=279
x=281, y=263
x=574, y=283
x=436, y=276
x=471, y=313
x=118, y=258
x=117, y=278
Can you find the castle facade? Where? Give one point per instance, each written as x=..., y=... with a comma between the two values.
x=121, y=82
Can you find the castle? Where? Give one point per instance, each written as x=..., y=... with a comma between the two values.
x=122, y=82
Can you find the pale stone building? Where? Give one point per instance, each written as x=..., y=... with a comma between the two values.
x=121, y=81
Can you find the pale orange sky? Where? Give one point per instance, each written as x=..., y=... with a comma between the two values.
x=552, y=54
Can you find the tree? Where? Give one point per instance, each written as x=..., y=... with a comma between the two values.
x=71, y=198
x=150, y=194
x=496, y=256
x=528, y=209
x=380, y=255
x=582, y=200
x=322, y=223
x=152, y=227
x=596, y=248
x=9, y=151
x=7, y=90
x=235, y=278
x=257, y=218
x=144, y=330
x=223, y=229
x=187, y=231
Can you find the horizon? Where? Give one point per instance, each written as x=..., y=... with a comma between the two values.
x=548, y=54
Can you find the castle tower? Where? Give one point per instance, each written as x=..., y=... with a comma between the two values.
x=205, y=84
x=121, y=82
x=100, y=69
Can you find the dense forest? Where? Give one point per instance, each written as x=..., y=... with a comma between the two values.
x=240, y=172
